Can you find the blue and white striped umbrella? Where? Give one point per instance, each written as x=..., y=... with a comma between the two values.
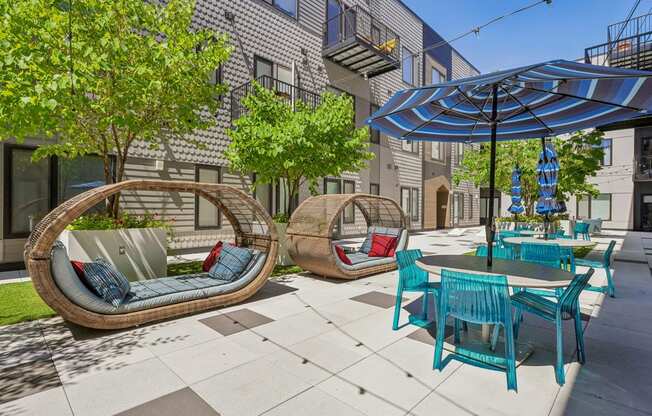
x=547, y=171
x=533, y=101
x=517, y=205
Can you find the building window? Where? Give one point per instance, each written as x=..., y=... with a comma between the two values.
x=288, y=7
x=469, y=204
x=282, y=198
x=436, y=150
x=459, y=153
x=608, y=152
x=207, y=215
x=374, y=135
x=332, y=186
x=32, y=189
x=263, y=194
x=409, y=67
x=436, y=76
x=410, y=202
x=410, y=146
x=594, y=207
x=349, y=210
x=263, y=67
x=458, y=207
x=374, y=189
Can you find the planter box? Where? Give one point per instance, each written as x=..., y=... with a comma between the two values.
x=139, y=253
x=283, y=258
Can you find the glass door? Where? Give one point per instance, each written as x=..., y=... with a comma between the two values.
x=646, y=213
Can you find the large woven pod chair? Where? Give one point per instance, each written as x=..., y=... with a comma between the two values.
x=50, y=270
x=310, y=234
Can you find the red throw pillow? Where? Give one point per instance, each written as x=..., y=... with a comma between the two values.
x=212, y=257
x=381, y=245
x=342, y=255
x=392, y=250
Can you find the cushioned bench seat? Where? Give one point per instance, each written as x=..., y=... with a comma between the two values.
x=362, y=260
x=149, y=293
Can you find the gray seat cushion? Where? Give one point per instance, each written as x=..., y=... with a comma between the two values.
x=362, y=260
x=149, y=293
x=377, y=229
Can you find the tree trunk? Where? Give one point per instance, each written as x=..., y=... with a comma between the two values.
x=120, y=170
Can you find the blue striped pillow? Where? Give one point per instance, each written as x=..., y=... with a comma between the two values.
x=231, y=263
x=112, y=285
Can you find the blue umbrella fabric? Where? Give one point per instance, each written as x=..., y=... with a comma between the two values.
x=540, y=100
x=517, y=205
x=547, y=173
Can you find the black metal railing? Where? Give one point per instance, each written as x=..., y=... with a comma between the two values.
x=289, y=93
x=355, y=22
x=643, y=168
x=628, y=28
x=633, y=52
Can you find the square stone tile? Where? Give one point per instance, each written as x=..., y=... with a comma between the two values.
x=168, y=336
x=19, y=336
x=345, y=311
x=376, y=298
x=120, y=390
x=428, y=335
x=250, y=389
x=48, y=402
x=375, y=330
x=357, y=397
x=333, y=350
x=314, y=402
x=202, y=361
x=232, y=322
x=295, y=328
x=180, y=402
x=298, y=366
x=27, y=377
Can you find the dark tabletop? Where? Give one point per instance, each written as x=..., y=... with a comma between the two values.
x=519, y=273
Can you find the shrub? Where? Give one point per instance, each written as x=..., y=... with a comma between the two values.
x=125, y=220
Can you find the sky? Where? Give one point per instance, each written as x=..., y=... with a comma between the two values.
x=560, y=30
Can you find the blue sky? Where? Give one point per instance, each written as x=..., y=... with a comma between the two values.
x=560, y=30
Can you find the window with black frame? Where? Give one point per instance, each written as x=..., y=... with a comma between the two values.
x=374, y=135
x=349, y=210
x=594, y=207
x=608, y=152
x=207, y=215
x=288, y=7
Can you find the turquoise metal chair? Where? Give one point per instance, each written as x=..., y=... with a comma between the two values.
x=604, y=264
x=480, y=299
x=545, y=254
x=506, y=234
x=582, y=230
x=565, y=308
x=499, y=252
x=413, y=279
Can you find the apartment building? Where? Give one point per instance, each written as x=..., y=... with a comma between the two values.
x=367, y=49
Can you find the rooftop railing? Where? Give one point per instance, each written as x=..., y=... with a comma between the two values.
x=634, y=52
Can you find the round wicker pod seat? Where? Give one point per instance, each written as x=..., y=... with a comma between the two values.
x=252, y=227
x=310, y=234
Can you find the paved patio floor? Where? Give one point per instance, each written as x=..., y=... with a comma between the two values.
x=309, y=346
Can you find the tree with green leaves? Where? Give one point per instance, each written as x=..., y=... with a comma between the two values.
x=96, y=76
x=296, y=144
x=579, y=158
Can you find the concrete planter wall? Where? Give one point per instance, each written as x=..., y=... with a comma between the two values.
x=139, y=253
x=284, y=258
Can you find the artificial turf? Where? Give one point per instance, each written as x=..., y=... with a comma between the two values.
x=19, y=302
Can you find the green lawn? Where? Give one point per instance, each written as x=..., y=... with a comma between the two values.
x=195, y=267
x=19, y=302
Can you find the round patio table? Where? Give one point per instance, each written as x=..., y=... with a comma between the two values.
x=519, y=273
x=530, y=233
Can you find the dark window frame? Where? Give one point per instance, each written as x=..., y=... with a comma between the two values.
x=371, y=185
x=411, y=191
x=440, y=146
x=414, y=146
x=332, y=180
x=274, y=4
x=345, y=219
x=219, y=211
x=590, y=205
x=265, y=60
x=276, y=190
x=414, y=70
x=53, y=185
x=271, y=194
x=374, y=134
x=611, y=152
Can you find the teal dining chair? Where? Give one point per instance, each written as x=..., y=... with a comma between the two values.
x=499, y=252
x=565, y=308
x=413, y=279
x=479, y=299
x=545, y=254
x=605, y=264
x=582, y=230
x=506, y=234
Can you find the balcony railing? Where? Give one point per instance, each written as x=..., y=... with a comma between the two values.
x=634, y=52
x=287, y=92
x=628, y=28
x=361, y=43
x=643, y=168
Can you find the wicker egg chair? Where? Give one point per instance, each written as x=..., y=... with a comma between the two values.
x=252, y=226
x=310, y=233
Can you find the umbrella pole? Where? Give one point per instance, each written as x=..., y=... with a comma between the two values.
x=545, y=217
x=491, y=226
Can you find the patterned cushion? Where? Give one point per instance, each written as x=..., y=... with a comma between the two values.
x=231, y=263
x=381, y=245
x=109, y=283
x=149, y=289
x=342, y=255
x=377, y=229
x=212, y=257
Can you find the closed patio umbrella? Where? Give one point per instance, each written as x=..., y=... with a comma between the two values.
x=517, y=205
x=547, y=170
x=533, y=101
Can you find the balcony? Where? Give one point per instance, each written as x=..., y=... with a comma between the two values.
x=356, y=40
x=643, y=168
x=287, y=92
x=629, y=45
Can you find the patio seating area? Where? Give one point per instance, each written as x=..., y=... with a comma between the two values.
x=306, y=345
